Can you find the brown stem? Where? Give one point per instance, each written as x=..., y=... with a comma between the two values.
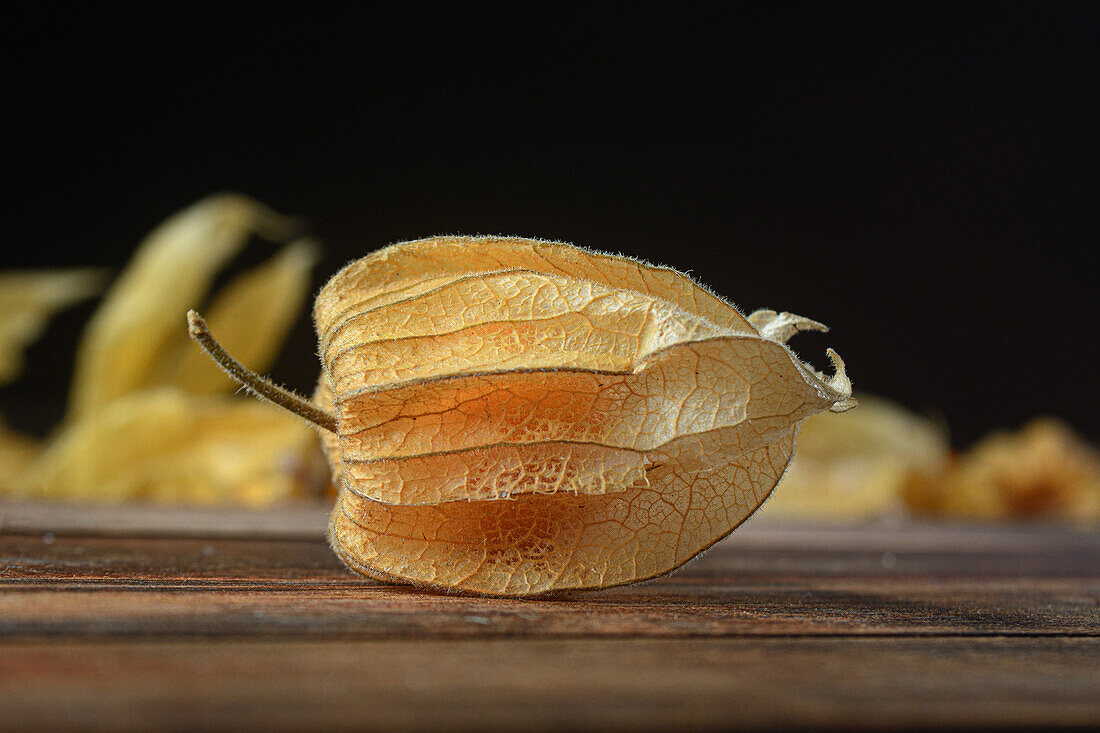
x=262, y=387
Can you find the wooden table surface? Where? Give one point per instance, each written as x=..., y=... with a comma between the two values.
x=151, y=618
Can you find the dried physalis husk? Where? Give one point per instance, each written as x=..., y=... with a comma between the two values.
x=164, y=445
x=513, y=417
x=28, y=299
x=17, y=452
x=859, y=466
x=144, y=423
x=132, y=341
x=1042, y=471
x=254, y=311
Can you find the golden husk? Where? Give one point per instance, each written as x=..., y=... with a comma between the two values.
x=516, y=417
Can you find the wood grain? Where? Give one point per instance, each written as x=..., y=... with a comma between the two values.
x=154, y=620
x=621, y=684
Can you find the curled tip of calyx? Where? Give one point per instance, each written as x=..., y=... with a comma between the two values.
x=840, y=384
x=780, y=327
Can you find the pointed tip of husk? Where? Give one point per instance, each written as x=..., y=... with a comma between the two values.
x=841, y=384
x=780, y=327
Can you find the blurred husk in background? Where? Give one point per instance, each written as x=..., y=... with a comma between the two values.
x=151, y=419
x=881, y=461
x=1043, y=470
x=858, y=466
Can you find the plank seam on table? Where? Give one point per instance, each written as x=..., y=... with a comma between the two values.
x=494, y=636
x=306, y=521
x=194, y=533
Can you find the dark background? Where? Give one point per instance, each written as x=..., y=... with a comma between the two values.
x=923, y=180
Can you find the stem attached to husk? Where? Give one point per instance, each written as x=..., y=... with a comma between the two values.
x=262, y=387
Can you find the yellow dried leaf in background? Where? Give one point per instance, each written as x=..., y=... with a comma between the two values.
x=136, y=329
x=167, y=446
x=138, y=428
x=252, y=315
x=515, y=417
x=28, y=299
x=17, y=453
x=858, y=466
